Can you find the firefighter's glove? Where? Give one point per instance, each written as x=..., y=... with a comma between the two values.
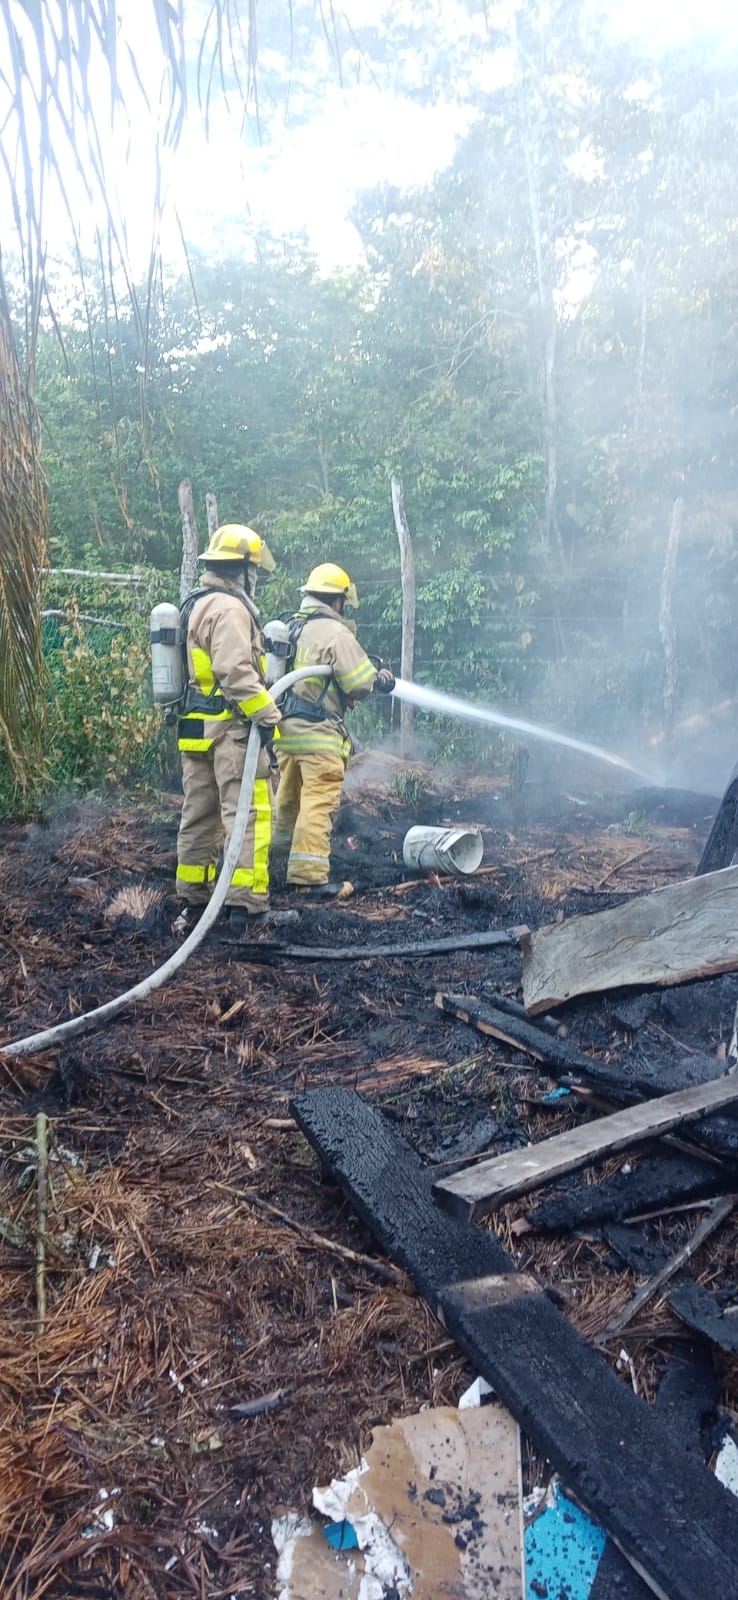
x=384, y=682
x=268, y=732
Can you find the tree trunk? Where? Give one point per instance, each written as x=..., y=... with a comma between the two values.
x=667, y=630
x=407, y=578
x=211, y=512
x=188, y=571
x=552, y=529
x=532, y=158
x=23, y=553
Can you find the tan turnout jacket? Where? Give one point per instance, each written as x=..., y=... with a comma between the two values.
x=329, y=640
x=225, y=663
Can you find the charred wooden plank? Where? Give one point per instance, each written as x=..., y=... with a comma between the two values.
x=686, y=1395
x=656, y=1283
x=657, y=1183
x=687, y=930
x=631, y=1078
x=692, y=1304
x=722, y=840
x=490, y=1184
x=517, y=1031
x=497, y=1001
x=626, y=1466
x=372, y=952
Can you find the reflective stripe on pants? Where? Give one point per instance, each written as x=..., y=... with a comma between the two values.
x=307, y=797
x=211, y=782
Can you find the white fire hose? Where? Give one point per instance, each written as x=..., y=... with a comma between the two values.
x=92, y=1019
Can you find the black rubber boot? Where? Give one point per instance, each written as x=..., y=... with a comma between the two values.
x=185, y=921
x=317, y=891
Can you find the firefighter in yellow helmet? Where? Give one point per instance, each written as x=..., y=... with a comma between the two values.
x=314, y=745
x=225, y=696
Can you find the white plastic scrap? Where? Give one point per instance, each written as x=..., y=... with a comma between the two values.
x=102, y=1521
x=726, y=1466
x=474, y=1395
x=385, y=1566
x=285, y=1533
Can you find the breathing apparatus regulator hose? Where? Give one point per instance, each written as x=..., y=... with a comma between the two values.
x=92, y=1019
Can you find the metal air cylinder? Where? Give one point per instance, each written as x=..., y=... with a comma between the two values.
x=278, y=648
x=167, y=664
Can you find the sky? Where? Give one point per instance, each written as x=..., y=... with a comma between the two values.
x=306, y=175
x=324, y=140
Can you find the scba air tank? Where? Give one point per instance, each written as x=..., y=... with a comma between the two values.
x=278, y=650
x=167, y=665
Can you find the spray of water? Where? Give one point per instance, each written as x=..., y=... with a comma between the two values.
x=448, y=705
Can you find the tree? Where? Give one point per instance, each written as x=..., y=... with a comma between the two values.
x=67, y=75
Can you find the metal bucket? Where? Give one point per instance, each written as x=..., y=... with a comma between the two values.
x=455, y=850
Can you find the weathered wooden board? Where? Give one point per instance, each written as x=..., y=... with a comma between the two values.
x=693, y=1305
x=687, y=930
x=625, y=1465
x=492, y=1183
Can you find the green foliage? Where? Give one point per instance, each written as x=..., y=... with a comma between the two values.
x=410, y=786
x=635, y=823
x=592, y=199
x=102, y=729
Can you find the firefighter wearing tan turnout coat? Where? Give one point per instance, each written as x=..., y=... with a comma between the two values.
x=314, y=745
x=225, y=695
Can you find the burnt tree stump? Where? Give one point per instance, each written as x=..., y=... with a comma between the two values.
x=722, y=840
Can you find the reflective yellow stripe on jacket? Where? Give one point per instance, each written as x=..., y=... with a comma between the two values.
x=200, y=737
x=298, y=737
x=349, y=682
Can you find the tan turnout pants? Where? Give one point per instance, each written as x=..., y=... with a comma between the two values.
x=211, y=781
x=307, y=798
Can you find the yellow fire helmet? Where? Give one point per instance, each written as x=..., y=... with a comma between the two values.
x=330, y=579
x=235, y=542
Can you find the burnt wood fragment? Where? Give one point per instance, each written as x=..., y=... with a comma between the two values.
x=372, y=952
x=722, y=840
x=686, y=1396
x=625, y=1465
x=491, y=1184
x=632, y=1077
x=517, y=1030
x=692, y=1304
x=656, y=1183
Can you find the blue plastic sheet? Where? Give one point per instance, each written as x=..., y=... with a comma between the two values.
x=562, y=1552
x=341, y=1536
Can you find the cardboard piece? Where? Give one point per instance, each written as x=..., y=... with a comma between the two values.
x=307, y=1568
x=436, y=1507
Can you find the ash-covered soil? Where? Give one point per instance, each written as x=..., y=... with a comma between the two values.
x=176, y=1291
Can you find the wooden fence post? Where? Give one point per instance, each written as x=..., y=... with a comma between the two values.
x=407, y=578
x=188, y=571
x=667, y=630
x=211, y=512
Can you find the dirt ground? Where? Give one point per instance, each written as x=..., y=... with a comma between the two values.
x=196, y=1260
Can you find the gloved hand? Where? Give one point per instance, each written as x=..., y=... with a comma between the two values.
x=384, y=682
x=268, y=732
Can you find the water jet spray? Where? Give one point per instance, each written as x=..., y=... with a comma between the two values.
x=448, y=705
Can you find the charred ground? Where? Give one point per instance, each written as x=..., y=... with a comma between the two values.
x=175, y=1294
